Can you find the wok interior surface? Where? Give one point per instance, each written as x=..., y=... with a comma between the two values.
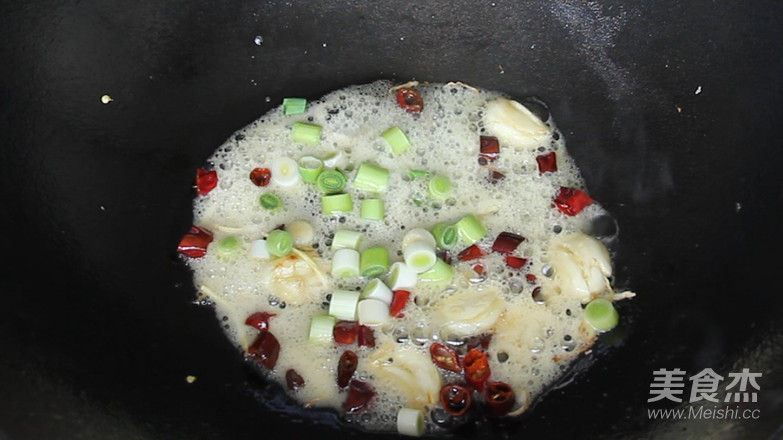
x=672, y=111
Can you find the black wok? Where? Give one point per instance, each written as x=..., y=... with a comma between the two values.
x=671, y=109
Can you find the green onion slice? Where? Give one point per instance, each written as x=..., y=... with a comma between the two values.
x=398, y=142
x=336, y=203
x=401, y=276
x=228, y=246
x=322, y=328
x=377, y=289
x=372, y=209
x=270, y=201
x=419, y=256
x=371, y=178
x=416, y=174
x=372, y=312
x=439, y=187
x=439, y=274
x=294, y=106
x=330, y=181
x=258, y=249
x=470, y=229
x=343, y=304
x=346, y=239
x=410, y=422
x=446, y=236
x=309, y=168
x=279, y=243
x=601, y=314
x=374, y=261
x=418, y=234
x=306, y=132
x=285, y=171
x=345, y=263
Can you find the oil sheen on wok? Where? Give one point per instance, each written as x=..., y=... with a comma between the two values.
x=410, y=253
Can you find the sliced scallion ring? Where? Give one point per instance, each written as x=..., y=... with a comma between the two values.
x=372, y=209
x=470, y=229
x=258, y=249
x=335, y=159
x=371, y=177
x=294, y=106
x=377, y=289
x=410, y=422
x=285, y=171
x=446, y=236
x=309, y=168
x=418, y=234
x=439, y=274
x=439, y=187
x=401, y=276
x=336, y=203
x=601, y=314
x=330, y=181
x=419, y=256
x=270, y=201
x=372, y=312
x=343, y=304
x=229, y=246
x=302, y=231
x=279, y=243
x=306, y=132
x=398, y=142
x=346, y=239
x=374, y=261
x=345, y=263
x=322, y=329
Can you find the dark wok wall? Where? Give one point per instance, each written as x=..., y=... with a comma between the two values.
x=672, y=109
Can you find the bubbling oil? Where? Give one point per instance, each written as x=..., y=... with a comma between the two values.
x=535, y=334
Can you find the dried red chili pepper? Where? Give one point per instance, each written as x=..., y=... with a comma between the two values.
x=445, y=357
x=206, y=180
x=476, y=368
x=194, y=243
x=499, y=398
x=455, y=399
x=479, y=341
x=410, y=100
x=507, y=242
x=470, y=253
x=261, y=176
x=478, y=268
x=495, y=176
x=571, y=201
x=515, y=262
x=399, y=301
x=294, y=380
x=259, y=320
x=489, y=149
x=345, y=332
x=359, y=395
x=265, y=349
x=346, y=367
x=547, y=162
x=366, y=336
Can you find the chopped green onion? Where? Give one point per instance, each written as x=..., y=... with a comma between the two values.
x=322, y=328
x=330, y=181
x=601, y=314
x=440, y=273
x=419, y=256
x=397, y=140
x=302, y=231
x=376, y=289
x=374, y=261
x=446, y=236
x=279, y=243
x=343, y=304
x=258, y=249
x=336, y=203
x=415, y=174
x=372, y=209
x=346, y=239
x=418, y=234
x=345, y=263
x=294, y=106
x=410, y=422
x=401, y=276
x=470, y=229
x=270, y=201
x=306, y=132
x=371, y=178
x=309, y=168
x=372, y=312
x=335, y=159
x=439, y=187
x=285, y=171
x=228, y=246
